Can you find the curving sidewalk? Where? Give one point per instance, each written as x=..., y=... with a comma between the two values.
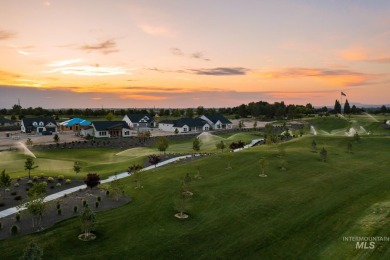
x=122, y=175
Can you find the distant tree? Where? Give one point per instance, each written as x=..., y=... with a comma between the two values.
x=154, y=159
x=281, y=150
x=196, y=143
x=110, y=116
x=29, y=165
x=324, y=154
x=200, y=110
x=92, y=180
x=187, y=184
x=32, y=252
x=268, y=140
x=354, y=109
x=190, y=112
x=167, y=112
x=241, y=124
x=255, y=124
x=37, y=189
x=347, y=108
x=162, y=112
x=162, y=144
x=221, y=145
x=13, y=117
x=176, y=131
x=135, y=169
x=88, y=222
x=269, y=129
x=314, y=146
x=29, y=142
x=197, y=175
x=349, y=147
x=56, y=138
x=76, y=167
x=263, y=165
x=5, y=181
x=337, y=107
x=116, y=188
x=176, y=112
x=383, y=109
x=36, y=206
x=356, y=137
x=182, y=203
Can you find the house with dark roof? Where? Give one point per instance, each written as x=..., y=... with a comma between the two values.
x=38, y=125
x=217, y=121
x=137, y=121
x=100, y=129
x=8, y=122
x=184, y=125
x=74, y=124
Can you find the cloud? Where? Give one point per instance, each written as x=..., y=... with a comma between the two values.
x=5, y=35
x=340, y=77
x=176, y=51
x=221, y=71
x=157, y=30
x=8, y=75
x=380, y=60
x=105, y=47
x=199, y=55
x=90, y=71
x=63, y=63
x=196, y=55
x=354, y=54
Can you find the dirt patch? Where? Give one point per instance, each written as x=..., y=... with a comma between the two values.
x=67, y=205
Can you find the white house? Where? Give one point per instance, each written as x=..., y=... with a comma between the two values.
x=38, y=125
x=184, y=125
x=108, y=129
x=137, y=121
x=217, y=121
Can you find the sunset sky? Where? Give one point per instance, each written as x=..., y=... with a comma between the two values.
x=172, y=53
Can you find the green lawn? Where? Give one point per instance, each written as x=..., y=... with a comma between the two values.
x=301, y=213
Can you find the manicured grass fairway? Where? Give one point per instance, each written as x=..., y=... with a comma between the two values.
x=296, y=214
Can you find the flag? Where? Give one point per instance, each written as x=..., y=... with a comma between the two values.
x=343, y=94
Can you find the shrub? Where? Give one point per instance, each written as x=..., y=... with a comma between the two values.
x=60, y=177
x=97, y=204
x=84, y=203
x=18, y=179
x=107, y=192
x=99, y=198
x=30, y=182
x=27, y=189
x=75, y=209
x=7, y=190
x=65, y=195
x=16, y=184
x=35, y=178
x=18, y=197
x=1, y=225
x=50, y=179
x=52, y=187
x=42, y=176
x=68, y=181
x=17, y=217
x=59, y=211
x=14, y=193
x=58, y=185
x=58, y=205
x=45, y=183
x=14, y=230
x=2, y=204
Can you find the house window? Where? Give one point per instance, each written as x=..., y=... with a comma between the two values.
x=127, y=132
x=104, y=133
x=35, y=123
x=206, y=128
x=185, y=129
x=41, y=123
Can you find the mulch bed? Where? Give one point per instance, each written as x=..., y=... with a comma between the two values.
x=67, y=204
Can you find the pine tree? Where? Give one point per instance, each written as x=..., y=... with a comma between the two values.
x=347, y=108
x=337, y=107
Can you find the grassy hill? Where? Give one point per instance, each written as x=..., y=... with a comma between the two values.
x=302, y=212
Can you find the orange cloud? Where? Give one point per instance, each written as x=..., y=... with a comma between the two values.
x=339, y=77
x=355, y=54
x=143, y=97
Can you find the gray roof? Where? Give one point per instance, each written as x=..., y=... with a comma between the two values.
x=28, y=121
x=107, y=125
x=215, y=118
x=191, y=122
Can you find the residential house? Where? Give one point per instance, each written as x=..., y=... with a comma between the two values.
x=100, y=129
x=139, y=121
x=74, y=124
x=8, y=122
x=184, y=125
x=217, y=121
x=38, y=125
